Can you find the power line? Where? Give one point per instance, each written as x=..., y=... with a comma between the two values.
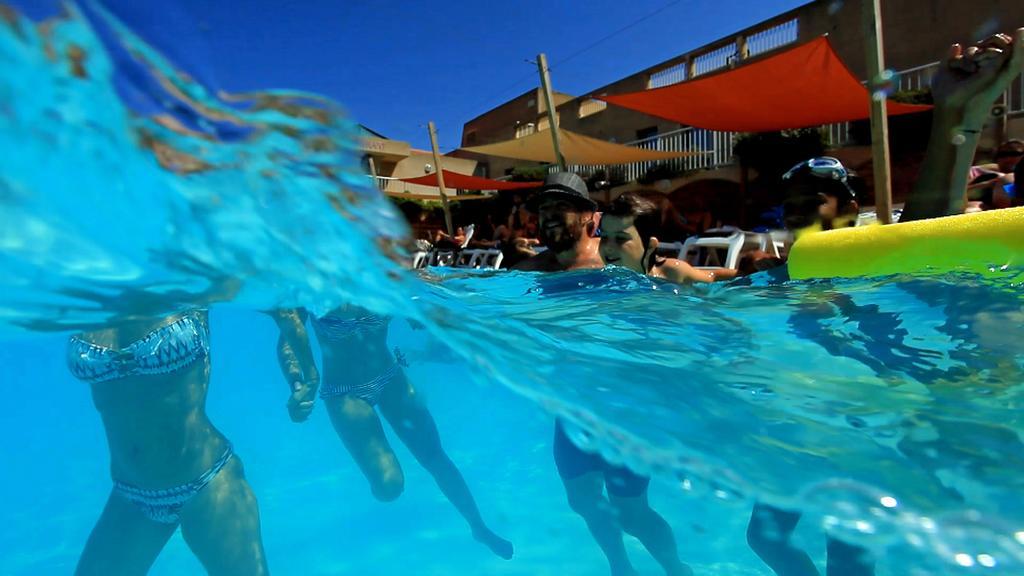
x=587, y=48
x=603, y=39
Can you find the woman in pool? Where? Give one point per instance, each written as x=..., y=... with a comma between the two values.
x=363, y=376
x=171, y=467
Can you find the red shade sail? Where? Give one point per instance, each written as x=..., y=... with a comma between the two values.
x=457, y=181
x=802, y=87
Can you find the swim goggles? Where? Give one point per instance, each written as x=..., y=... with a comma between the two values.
x=823, y=167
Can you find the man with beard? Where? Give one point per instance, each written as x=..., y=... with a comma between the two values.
x=568, y=227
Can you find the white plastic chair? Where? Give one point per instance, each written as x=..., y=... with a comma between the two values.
x=480, y=258
x=733, y=245
x=671, y=250
x=420, y=259
x=442, y=257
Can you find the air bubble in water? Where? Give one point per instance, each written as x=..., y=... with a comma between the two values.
x=964, y=560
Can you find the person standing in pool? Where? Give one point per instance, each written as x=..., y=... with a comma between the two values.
x=361, y=378
x=171, y=466
x=568, y=226
x=627, y=239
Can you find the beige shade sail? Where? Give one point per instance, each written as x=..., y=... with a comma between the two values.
x=577, y=149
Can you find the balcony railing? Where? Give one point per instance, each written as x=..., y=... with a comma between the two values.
x=714, y=149
x=774, y=37
x=920, y=78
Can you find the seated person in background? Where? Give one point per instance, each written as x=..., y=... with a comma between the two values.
x=818, y=193
x=986, y=180
x=964, y=89
x=627, y=239
x=446, y=242
x=1007, y=193
x=1007, y=155
x=981, y=189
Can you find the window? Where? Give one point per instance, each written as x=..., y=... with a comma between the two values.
x=591, y=106
x=543, y=123
x=523, y=130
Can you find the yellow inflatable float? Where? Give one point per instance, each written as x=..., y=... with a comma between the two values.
x=975, y=242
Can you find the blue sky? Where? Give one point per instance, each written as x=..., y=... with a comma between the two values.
x=397, y=64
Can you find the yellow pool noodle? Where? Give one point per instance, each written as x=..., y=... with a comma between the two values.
x=968, y=243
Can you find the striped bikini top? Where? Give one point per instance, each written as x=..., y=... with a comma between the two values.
x=341, y=327
x=164, y=350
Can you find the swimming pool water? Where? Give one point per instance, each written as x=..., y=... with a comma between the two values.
x=831, y=397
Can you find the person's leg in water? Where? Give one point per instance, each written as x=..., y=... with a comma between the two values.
x=583, y=479
x=124, y=541
x=359, y=428
x=414, y=425
x=768, y=535
x=848, y=560
x=628, y=494
x=221, y=525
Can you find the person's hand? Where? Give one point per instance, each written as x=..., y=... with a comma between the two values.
x=974, y=77
x=300, y=403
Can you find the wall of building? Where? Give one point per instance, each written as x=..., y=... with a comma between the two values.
x=420, y=162
x=500, y=124
x=916, y=32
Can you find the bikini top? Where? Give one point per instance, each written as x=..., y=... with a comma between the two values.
x=164, y=350
x=340, y=327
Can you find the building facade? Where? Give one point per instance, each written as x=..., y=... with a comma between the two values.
x=387, y=161
x=917, y=34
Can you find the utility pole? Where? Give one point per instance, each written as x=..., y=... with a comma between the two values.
x=545, y=82
x=440, y=178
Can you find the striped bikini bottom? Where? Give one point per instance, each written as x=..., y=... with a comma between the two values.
x=370, y=390
x=164, y=505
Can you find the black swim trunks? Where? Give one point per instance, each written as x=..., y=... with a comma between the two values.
x=572, y=463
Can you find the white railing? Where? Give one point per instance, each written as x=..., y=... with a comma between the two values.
x=836, y=135
x=711, y=61
x=774, y=37
x=382, y=182
x=708, y=149
x=1015, y=97
x=917, y=78
x=668, y=76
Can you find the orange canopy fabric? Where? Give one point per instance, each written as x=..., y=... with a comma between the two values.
x=436, y=198
x=458, y=181
x=576, y=148
x=802, y=87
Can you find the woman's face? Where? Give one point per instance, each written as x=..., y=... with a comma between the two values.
x=621, y=244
